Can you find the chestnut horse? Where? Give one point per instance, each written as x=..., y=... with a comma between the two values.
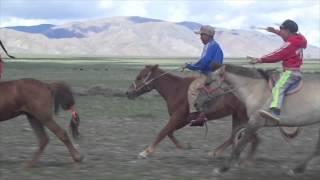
x=174, y=90
x=38, y=100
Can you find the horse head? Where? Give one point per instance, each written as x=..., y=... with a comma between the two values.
x=143, y=83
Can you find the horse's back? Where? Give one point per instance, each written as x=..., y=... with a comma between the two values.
x=22, y=89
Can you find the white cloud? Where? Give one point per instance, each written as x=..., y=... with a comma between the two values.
x=177, y=11
x=105, y=4
x=133, y=8
x=239, y=3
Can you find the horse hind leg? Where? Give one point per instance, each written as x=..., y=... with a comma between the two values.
x=63, y=136
x=302, y=166
x=42, y=138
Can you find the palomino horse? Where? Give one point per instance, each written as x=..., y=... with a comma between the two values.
x=37, y=100
x=174, y=90
x=250, y=86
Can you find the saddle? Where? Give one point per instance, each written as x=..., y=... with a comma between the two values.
x=286, y=132
x=273, y=78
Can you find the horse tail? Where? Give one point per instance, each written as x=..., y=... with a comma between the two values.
x=63, y=97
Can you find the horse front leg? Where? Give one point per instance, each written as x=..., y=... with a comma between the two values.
x=167, y=130
x=246, y=136
x=162, y=134
x=180, y=124
x=239, y=119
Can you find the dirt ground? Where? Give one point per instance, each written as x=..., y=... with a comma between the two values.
x=111, y=142
x=114, y=130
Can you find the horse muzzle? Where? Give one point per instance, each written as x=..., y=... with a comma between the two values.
x=131, y=95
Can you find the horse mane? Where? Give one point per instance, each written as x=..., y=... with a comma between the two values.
x=170, y=74
x=249, y=72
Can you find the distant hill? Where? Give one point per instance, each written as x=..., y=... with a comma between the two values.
x=41, y=28
x=135, y=36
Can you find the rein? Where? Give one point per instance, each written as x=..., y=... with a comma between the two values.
x=147, y=82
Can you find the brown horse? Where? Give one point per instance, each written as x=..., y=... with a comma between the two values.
x=174, y=90
x=37, y=100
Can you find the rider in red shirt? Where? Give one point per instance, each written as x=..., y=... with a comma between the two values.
x=291, y=55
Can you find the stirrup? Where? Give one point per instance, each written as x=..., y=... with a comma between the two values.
x=270, y=116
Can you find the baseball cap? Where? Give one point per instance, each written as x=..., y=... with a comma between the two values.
x=289, y=25
x=206, y=29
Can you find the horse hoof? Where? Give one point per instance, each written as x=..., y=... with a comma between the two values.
x=143, y=155
x=79, y=158
x=298, y=170
x=212, y=154
x=217, y=171
x=220, y=170
x=291, y=172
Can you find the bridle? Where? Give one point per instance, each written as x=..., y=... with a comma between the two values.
x=146, y=83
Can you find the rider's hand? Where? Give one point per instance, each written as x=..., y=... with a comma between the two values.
x=253, y=60
x=271, y=29
x=184, y=66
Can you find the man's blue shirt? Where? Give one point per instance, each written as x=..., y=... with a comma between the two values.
x=212, y=53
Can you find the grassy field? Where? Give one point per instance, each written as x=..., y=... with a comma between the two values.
x=114, y=129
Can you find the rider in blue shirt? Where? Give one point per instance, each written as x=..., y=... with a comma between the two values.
x=211, y=53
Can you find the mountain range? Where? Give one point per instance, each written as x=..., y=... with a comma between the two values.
x=135, y=36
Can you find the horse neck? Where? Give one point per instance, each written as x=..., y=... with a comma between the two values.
x=169, y=86
x=249, y=90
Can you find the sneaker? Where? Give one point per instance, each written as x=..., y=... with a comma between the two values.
x=270, y=115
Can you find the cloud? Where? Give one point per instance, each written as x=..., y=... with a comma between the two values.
x=132, y=8
x=177, y=11
x=105, y=4
x=239, y=3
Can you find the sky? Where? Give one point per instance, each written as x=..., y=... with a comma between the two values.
x=231, y=14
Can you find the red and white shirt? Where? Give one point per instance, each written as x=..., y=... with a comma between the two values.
x=290, y=53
